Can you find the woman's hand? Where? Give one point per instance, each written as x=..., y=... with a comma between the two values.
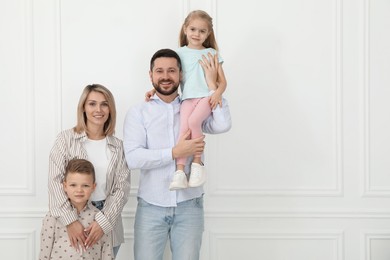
x=76, y=235
x=94, y=234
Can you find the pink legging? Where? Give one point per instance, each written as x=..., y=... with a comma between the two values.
x=192, y=114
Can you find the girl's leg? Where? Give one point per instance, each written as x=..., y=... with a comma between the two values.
x=186, y=108
x=179, y=179
x=200, y=112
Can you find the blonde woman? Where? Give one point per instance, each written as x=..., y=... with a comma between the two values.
x=93, y=139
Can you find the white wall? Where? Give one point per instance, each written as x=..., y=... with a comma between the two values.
x=303, y=174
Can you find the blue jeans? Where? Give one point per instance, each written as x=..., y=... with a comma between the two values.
x=182, y=225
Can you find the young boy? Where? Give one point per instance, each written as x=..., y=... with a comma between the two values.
x=79, y=183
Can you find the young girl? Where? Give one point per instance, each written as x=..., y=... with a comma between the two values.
x=196, y=41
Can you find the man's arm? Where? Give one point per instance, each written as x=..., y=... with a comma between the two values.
x=138, y=155
x=219, y=121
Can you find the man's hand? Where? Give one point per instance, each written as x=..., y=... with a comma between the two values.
x=76, y=235
x=185, y=148
x=94, y=233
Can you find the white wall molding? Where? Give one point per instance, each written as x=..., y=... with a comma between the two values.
x=336, y=238
x=301, y=213
x=26, y=184
x=336, y=189
x=24, y=240
x=58, y=64
x=368, y=189
x=368, y=237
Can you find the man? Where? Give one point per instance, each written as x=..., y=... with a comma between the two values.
x=150, y=142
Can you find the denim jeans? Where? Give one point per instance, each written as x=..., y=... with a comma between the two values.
x=99, y=205
x=182, y=225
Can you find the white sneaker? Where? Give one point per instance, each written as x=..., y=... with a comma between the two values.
x=179, y=181
x=197, y=176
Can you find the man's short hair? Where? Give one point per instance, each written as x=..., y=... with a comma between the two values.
x=165, y=53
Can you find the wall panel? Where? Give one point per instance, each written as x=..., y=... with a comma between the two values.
x=301, y=175
x=277, y=245
x=16, y=51
x=377, y=94
x=290, y=91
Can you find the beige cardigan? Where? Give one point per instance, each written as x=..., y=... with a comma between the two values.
x=69, y=145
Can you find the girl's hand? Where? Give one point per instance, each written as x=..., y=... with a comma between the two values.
x=94, y=234
x=76, y=235
x=149, y=94
x=215, y=100
x=210, y=67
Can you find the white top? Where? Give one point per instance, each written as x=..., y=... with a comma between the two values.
x=99, y=156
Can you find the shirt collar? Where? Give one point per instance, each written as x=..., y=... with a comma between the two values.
x=83, y=137
x=87, y=206
x=157, y=98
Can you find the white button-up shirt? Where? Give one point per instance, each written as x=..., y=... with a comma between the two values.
x=151, y=130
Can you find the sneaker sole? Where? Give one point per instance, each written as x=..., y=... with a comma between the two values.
x=196, y=184
x=177, y=187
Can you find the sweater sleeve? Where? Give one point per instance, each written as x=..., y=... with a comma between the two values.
x=118, y=195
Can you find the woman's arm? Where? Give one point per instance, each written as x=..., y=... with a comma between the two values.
x=59, y=204
x=118, y=195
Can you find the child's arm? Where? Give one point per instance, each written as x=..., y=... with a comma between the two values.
x=149, y=94
x=215, y=78
x=216, y=97
x=47, y=237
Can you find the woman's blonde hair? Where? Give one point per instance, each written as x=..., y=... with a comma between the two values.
x=210, y=42
x=109, y=125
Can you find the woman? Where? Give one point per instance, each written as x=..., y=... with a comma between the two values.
x=92, y=138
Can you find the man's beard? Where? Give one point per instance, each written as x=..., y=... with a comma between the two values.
x=166, y=92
